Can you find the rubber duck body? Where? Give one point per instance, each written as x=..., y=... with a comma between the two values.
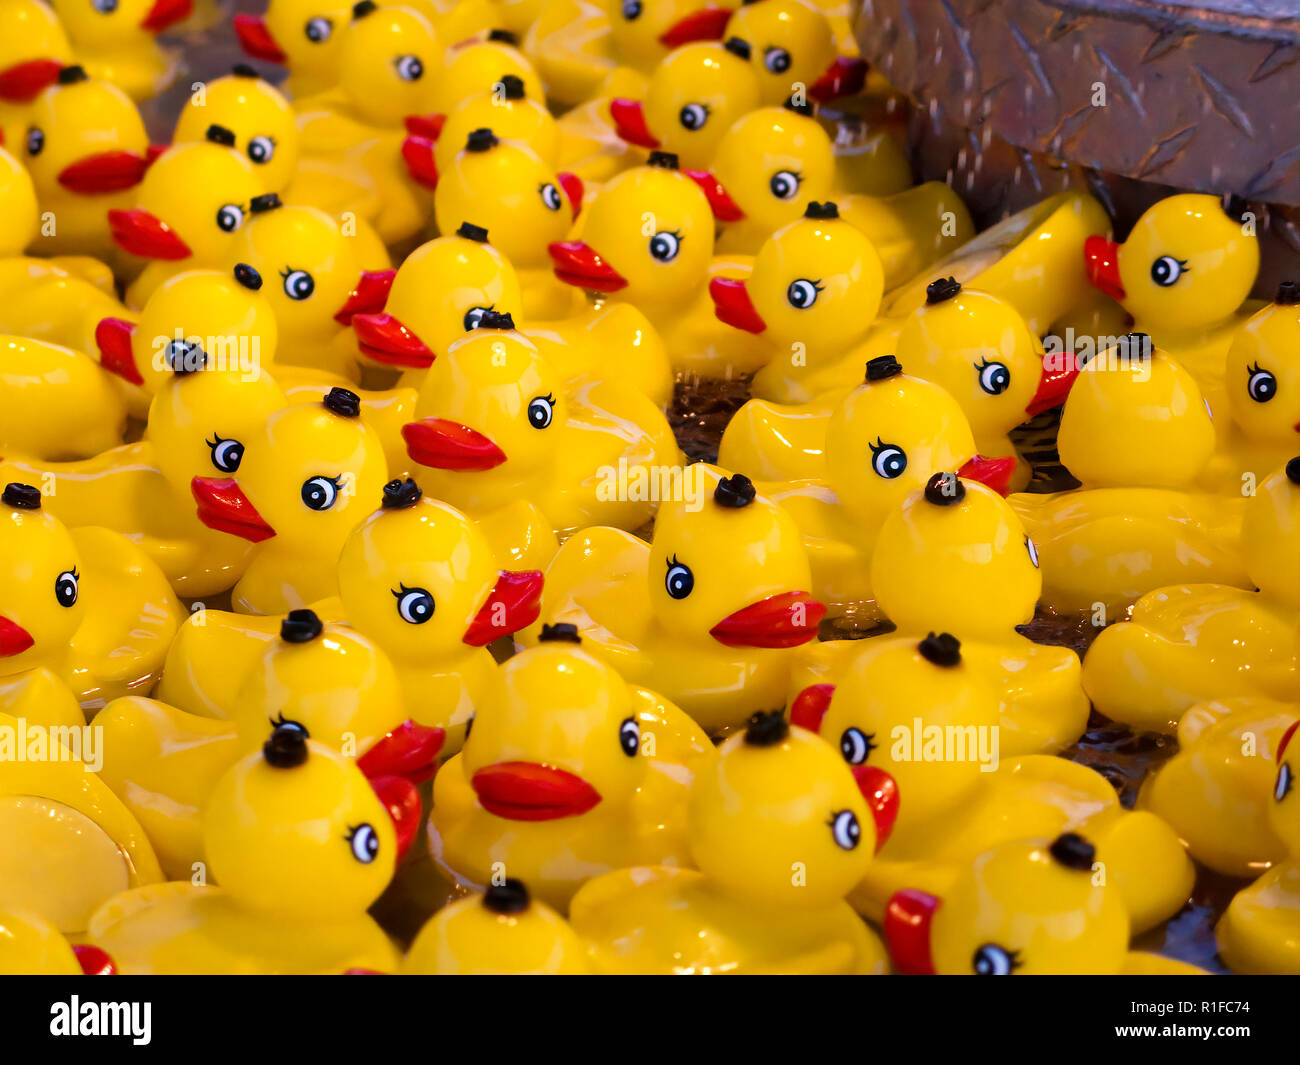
x=117, y=42
x=554, y=782
x=751, y=822
x=294, y=821
x=726, y=618
x=1191, y=642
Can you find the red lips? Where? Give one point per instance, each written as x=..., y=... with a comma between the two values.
x=385, y=339
x=222, y=506
x=707, y=24
x=402, y=802
x=447, y=445
x=810, y=706
x=629, y=122
x=514, y=603
x=785, y=620
x=881, y=792
x=113, y=338
x=137, y=231
x=14, y=639
x=425, y=125
x=370, y=295
x=992, y=473
x=724, y=208
x=1053, y=387
x=731, y=304
x=577, y=263
x=410, y=751
x=105, y=172
x=417, y=151
x=908, y=918
x=1101, y=264
x=166, y=13
x=573, y=189
x=94, y=961
x=256, y=39
x=528, y=791
x=22, y=82
x=844, y=77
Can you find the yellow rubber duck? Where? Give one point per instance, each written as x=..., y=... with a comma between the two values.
x=301, y=846
x=780, y=834
x=478, y=62
x=793, y=45
x=721, y=592
x=33, y=51
x=18, y=201
x=59, y=301
x=570, y=44
x=303, y=35
x=1136, y=524
x=930, y=726
x=1191, y=642
x=116, y=40
x=31, y=946
x=559, y=779
x=643, y=34
x=664, y=268
x=503, y=932
x=1031, y=908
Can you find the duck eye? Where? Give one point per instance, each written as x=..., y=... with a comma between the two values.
x=318, y=30
x=319, y=493
x=230, y=217
x=226, y=454
x=1262, y=385
x=994, y=377
x=664, y=245
x=784, y=184
x=280, y=721
x=261, y=149
x=473, y=316
x=104, y=7
x=184, y=357
x=298, y=284
x=845, y=830
x=631, y=10
x=1166, y=270
x=855, y=745
x=1032, y=548
x=629, y=737
x=992, y=960
x=887, y=460
x=551, y=196
x=540, y=411
x=693, y=116
x=777, y=60
x=66, y=585
x=35, y=141
x=415, y=605
x=1284, y=783
x=802, y=294
x=680, y=580
x=409, y=68
x=364, y=841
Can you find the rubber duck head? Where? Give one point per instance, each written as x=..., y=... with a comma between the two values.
x=645, y=31
x=198, y=319
x=33, y=49
x=387, y=63
x=1026, y=907
x=701, y=581
x=779, y=799
x=1189, y=261
x=18, y=203
x=1270, y=535
x=563, y=738
x=441, y=291
x=1263, y=372
x=1284, y=810
x=31, y=946
x=191, y=202
x=501, y=932
x=891, y=433
x=477, y=64
x=110, y=25
x=979, y=349
x=792, y=45
x=40, y=604
x=806, y=277
x=666, y=267
x=303, y=35
x=259, y=116
x=306, y=477
x=510, y=189
x=84, y=136
x=296, y=831
x=955, y=557
x=694, y=96
x=1156, y=425
x=492, y=402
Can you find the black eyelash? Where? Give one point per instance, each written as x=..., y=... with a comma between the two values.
x=877, y=447
x=215, y=442
x=352, y=831
x=1182, y=264
x=672, y=562
x=550, y=398
x=399, y=591
x=75, y=575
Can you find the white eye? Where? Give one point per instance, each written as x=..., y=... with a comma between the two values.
x=1032, y=548
x=855, y=745
x=540, y=411
x=802, y=294
x=551, y=197
x=1166, y=270
x=415, y=605
x=35, y=141
x=629, y=737
x=364, y=842
x=1262, y=385
x=261, y=149
x=631, y=9
x=104, y=7
x=693, y=116
x=226, y=454
x=664, y=245
x=887, y=460
x=784, y=184
x=298, y=284
x=473, y=316
x=409, y=68
x=318, y=30
x=1284, y=783
x=777, y=60
x=230, y=218
x=992, y=960
x=845, y=830
x=679, y=580
x=994, y=377
x=66, y=585
x=319, y=493
x=184, y=357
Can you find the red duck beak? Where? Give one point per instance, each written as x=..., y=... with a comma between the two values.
x=369, y=296
x=707, y=24
x=1101, y=264
x=527, y=791
x=810, y=706
x=724, y=208
x=784, y=620
x=731, y=303
x=992, y=473
x=105, y=172
x=629, y=122
x=256, y=40
x=140, y=233
x=514, y=603
x=21, y=82
x=447, y=445
x=425, y=125
x=1053, y=387
x=402, y=802
x=409, y=751
x=113, y=338
x=222, y=506
x=572, y=185
x=908, y=917
x=844, y=77
x=417, y=150
x=577, y=263
x=94, y=961
x=14, y=639
x=166, y=13
x=881, y=792
x=385, y=339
